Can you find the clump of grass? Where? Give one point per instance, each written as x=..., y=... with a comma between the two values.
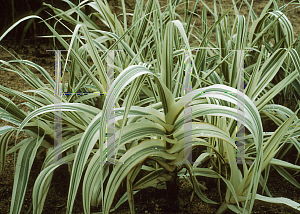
x=164, y=101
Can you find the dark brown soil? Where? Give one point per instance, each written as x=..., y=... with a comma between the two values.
x=146, y=201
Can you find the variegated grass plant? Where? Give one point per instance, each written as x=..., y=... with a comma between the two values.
x=149, y=104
